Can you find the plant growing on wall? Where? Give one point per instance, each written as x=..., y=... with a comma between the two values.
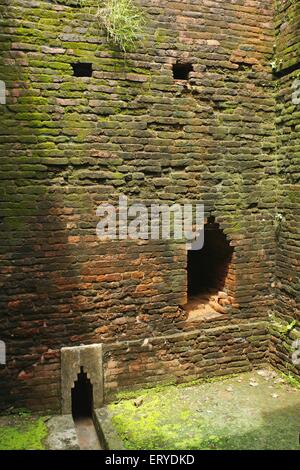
x=282, y=328
x=122, y=21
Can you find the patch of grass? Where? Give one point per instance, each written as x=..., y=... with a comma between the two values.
x=291, y=379
x=122, y=21
x=26, y=436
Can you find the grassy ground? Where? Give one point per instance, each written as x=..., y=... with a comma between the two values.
x=257, y=410
x=22, y=432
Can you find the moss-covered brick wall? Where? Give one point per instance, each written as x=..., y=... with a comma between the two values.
x=287, y=16
x=287, y=30
x=69, y=143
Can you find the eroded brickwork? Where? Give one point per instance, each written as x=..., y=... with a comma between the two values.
x=69, y=143
x=287, y=27
x=284, y=344
x=215, y=349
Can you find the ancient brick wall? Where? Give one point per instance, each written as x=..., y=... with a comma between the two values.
x=69, y=143
x=287, y=28
x=287, y=67
x=212, y=350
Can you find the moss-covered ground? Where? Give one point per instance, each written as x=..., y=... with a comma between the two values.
x=257, y=410
x=22, y=432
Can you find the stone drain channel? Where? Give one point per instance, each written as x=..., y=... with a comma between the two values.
x=67, y=433
x=87, y=434
x=94, y=432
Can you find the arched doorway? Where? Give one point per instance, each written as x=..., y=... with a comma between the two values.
x=82, y=396
x=210, y=273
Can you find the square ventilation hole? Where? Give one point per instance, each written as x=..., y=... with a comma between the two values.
x=182, y=71
x=82, y=69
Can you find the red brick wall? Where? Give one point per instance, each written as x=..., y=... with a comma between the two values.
x=288, y=227
x=69, y=144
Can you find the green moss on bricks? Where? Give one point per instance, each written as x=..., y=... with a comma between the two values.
x=28, y=117
x=160, y=36
x=294, y=196
x=236, y=228
x=117, y=175
x=129, y=394
x=281, y=327
x=53, y=65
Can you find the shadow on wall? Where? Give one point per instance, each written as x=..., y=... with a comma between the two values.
x=38, y=272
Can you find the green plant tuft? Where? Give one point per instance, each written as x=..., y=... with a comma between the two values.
x=291, y=379
x=122, y=21
x=282, y=328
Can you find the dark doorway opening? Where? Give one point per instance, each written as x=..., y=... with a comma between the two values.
x=182, y=71
x=82, y=396
x=210, y=273
x=208, y=267
x=82, y=69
